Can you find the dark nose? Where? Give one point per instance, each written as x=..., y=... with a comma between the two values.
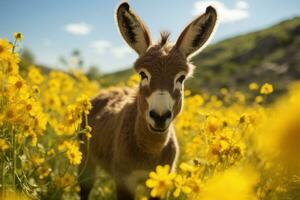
x=160, y=119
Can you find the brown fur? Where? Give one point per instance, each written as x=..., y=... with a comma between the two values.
x=122, y=142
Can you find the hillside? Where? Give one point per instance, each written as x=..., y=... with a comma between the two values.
x=269, y=55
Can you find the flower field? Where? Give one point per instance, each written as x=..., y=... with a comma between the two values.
x=232, y=145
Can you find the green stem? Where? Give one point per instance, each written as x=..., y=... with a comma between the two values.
x=88, y=148
x=2, y=181
x=14, y=157
x=14, y=46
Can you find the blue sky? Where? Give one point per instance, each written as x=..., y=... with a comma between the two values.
x=54, y=28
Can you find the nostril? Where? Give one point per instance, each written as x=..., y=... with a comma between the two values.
x=153, y=114
x=168, y=114
x=160, y=118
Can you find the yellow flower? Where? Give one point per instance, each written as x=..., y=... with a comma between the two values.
x=266, y=89
x=74, y=155
x=279, y=137
x=32, y=107
x=35, y=75
x=187, y=93
x=133, y=80
x=88, y=130
x=84, y=104
x=224, y=91
x=35, y=89
x=259, y=99
x=181, y=186
x=13, y=195
x=160, y=181
x=187, y=167
x=213, y=124
x=12, y=115
x=231, y=184
x=43, y=171
x=240, y=97
x=5, y=48
x=16, y=82
x=64, y=181
x=50, y=152
x=196, y=187
x=17, y=87
x=253, y=86
x=63, y=146
x=18, y=36
x=3, y=145
x=37, y=160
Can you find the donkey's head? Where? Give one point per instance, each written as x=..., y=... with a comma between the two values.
x=163, y=67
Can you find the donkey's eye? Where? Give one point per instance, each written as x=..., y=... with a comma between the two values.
x=181, y=79
x=143, y=75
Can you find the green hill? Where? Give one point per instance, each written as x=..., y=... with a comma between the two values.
x=269, y=55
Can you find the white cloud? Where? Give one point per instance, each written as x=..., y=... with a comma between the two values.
x=100, y=46
x=121, y=52
x=226, y=15
x=242, y=5
x=78, y=28
x=105, y=47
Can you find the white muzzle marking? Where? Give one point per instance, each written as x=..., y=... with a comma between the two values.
x=160, y=101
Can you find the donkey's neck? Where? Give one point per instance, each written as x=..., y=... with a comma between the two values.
x=148, y=142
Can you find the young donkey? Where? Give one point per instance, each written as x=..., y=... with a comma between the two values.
x=132, y=130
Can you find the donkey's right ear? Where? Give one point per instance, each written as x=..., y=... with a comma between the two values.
x=132, y=29
x=196, y=34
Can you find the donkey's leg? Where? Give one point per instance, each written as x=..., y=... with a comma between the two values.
x=87, y=174
x=123, y=193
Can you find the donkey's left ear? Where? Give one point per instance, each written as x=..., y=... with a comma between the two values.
x=195, y=35
x=132, y=29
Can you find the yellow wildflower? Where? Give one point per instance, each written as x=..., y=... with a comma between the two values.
x=259, y=99
x=43, y=171
x=181, y=186
x=160, y=181
x=84, y=104
x=213, y=124
x=3, y=145
x=187, y=93
x=74, y=155
x=266, y=89
x=88, y=130
x=37, y=160
x=35, y=75
x=8, y=194
x=133, y=80
x=231, y=184
x=224, y=91
x=5, y=48
x=253, y=86
x=18, y=36
x=280, y=135
x=50, y=152
x=64, y=181
x=196, y=187
x=187, y=167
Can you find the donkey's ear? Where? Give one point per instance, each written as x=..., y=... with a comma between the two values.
x=132, y=29
x=195, y=35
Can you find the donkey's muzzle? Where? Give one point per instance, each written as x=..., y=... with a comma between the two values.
x=160, y=119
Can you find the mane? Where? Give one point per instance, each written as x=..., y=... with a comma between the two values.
x=164, y=38
x=163, y=45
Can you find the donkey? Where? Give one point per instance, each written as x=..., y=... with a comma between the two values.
x=132, y=130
